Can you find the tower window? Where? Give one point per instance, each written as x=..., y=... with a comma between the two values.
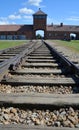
x=40, y=16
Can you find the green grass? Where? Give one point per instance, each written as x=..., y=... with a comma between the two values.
x=10, y=43
x=73, y=44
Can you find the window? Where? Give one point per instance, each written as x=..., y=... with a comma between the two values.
x=9, y=37
x=55, y=34
x=50, y=34
x=65, y=34
x=3, y=37
x=40, y=16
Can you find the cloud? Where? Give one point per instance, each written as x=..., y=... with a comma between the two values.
x=13, y=17
x=3, y=21
x=26, y=11
x=73, y=18
x=13, y=23
x=27, y=17
x=35, y=2
x=21, y=14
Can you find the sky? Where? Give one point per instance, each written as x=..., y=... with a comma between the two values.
x=21, y=11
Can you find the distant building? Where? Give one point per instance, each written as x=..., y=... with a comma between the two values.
x=61, y=31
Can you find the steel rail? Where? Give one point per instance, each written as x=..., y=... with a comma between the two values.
x=72, y=68
x=13, y=62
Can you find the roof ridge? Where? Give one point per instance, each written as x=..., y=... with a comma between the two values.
x=40, y=12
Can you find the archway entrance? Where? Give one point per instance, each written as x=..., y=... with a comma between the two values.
x=39, y=34
x=73, y=36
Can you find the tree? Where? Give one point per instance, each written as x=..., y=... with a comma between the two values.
x=38, y=36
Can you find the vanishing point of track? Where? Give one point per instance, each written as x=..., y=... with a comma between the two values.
x=39, y=89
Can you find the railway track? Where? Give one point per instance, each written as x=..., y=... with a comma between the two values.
x=42, y=92
x=12, y=57
x=66, y=52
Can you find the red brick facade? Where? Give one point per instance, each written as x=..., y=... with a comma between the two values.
x=39, y=23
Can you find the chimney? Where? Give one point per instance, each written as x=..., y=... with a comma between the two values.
x=61, y=24
x=51, y=24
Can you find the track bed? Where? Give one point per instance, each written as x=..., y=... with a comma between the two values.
x=41, y=93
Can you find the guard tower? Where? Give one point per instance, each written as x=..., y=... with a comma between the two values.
x=39, y=22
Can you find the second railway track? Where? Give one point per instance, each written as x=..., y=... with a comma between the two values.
x=42, y=93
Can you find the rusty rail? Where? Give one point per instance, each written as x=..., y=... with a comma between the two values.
x=72, y=68
x=13, y=63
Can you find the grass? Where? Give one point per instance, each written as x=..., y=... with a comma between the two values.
x=73, y=44
x=10, y=43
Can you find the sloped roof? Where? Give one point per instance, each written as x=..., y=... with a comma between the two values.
x=68, y=28
x=14, y=28
x=39, y=12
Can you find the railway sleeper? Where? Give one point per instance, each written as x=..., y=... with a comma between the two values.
x=39, y=81
x=24, y=127
x=43, y=115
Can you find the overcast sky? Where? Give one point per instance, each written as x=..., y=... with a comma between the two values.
x=21, y=11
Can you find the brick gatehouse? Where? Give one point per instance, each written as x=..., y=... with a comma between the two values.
x=52, y=31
